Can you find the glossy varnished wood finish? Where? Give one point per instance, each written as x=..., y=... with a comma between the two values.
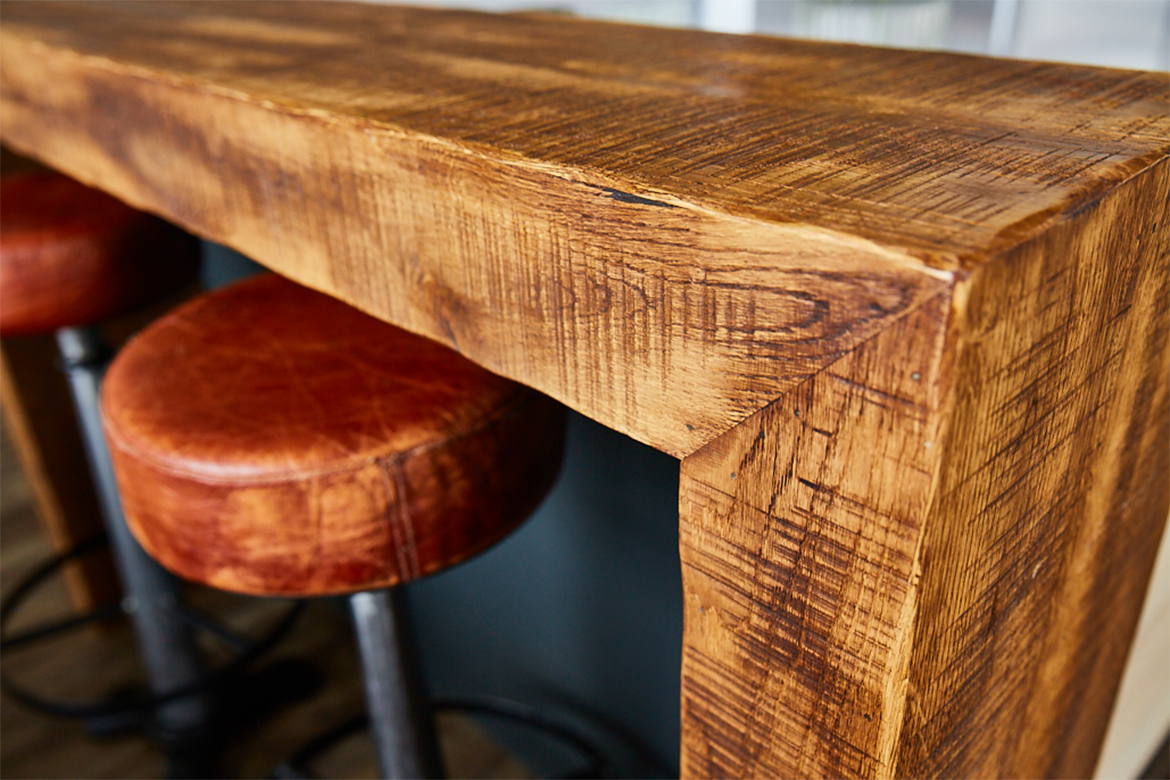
x=690, y=237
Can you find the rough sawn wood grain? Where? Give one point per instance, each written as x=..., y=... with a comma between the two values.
x=954, y=267
x=629, y=210
x=929, y=559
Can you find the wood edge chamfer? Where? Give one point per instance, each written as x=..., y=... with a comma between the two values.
x=1036, y=225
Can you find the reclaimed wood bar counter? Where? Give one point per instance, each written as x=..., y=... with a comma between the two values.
x=903, y=316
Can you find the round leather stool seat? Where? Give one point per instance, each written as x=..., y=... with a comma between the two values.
x=71, y=255
x=269, y=439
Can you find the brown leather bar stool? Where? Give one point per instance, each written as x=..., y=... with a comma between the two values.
x=270, y=440
x=71, y=256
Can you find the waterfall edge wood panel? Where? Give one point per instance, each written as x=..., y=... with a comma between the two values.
x=902, y=314
x=1052, y=498
x=929, y=560
x=800, y=532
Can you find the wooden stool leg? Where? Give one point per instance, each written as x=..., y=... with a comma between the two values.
x=165, y=641
x=42, y=427
x=400, y=720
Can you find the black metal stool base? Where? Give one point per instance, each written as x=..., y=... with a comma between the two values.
x=400, y=715
x=240, y=695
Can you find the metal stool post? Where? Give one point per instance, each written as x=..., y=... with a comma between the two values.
x=400, y=717
x=166, y=642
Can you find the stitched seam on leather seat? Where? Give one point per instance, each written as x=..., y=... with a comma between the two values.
x=512, y=407
x=410, y=567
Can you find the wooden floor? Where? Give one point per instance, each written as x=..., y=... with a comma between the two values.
x=94, y=661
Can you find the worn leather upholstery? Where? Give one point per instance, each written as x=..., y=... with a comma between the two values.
x=269, y=439
x=71, y=255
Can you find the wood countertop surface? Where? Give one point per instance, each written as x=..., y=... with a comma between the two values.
x=902, y=314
